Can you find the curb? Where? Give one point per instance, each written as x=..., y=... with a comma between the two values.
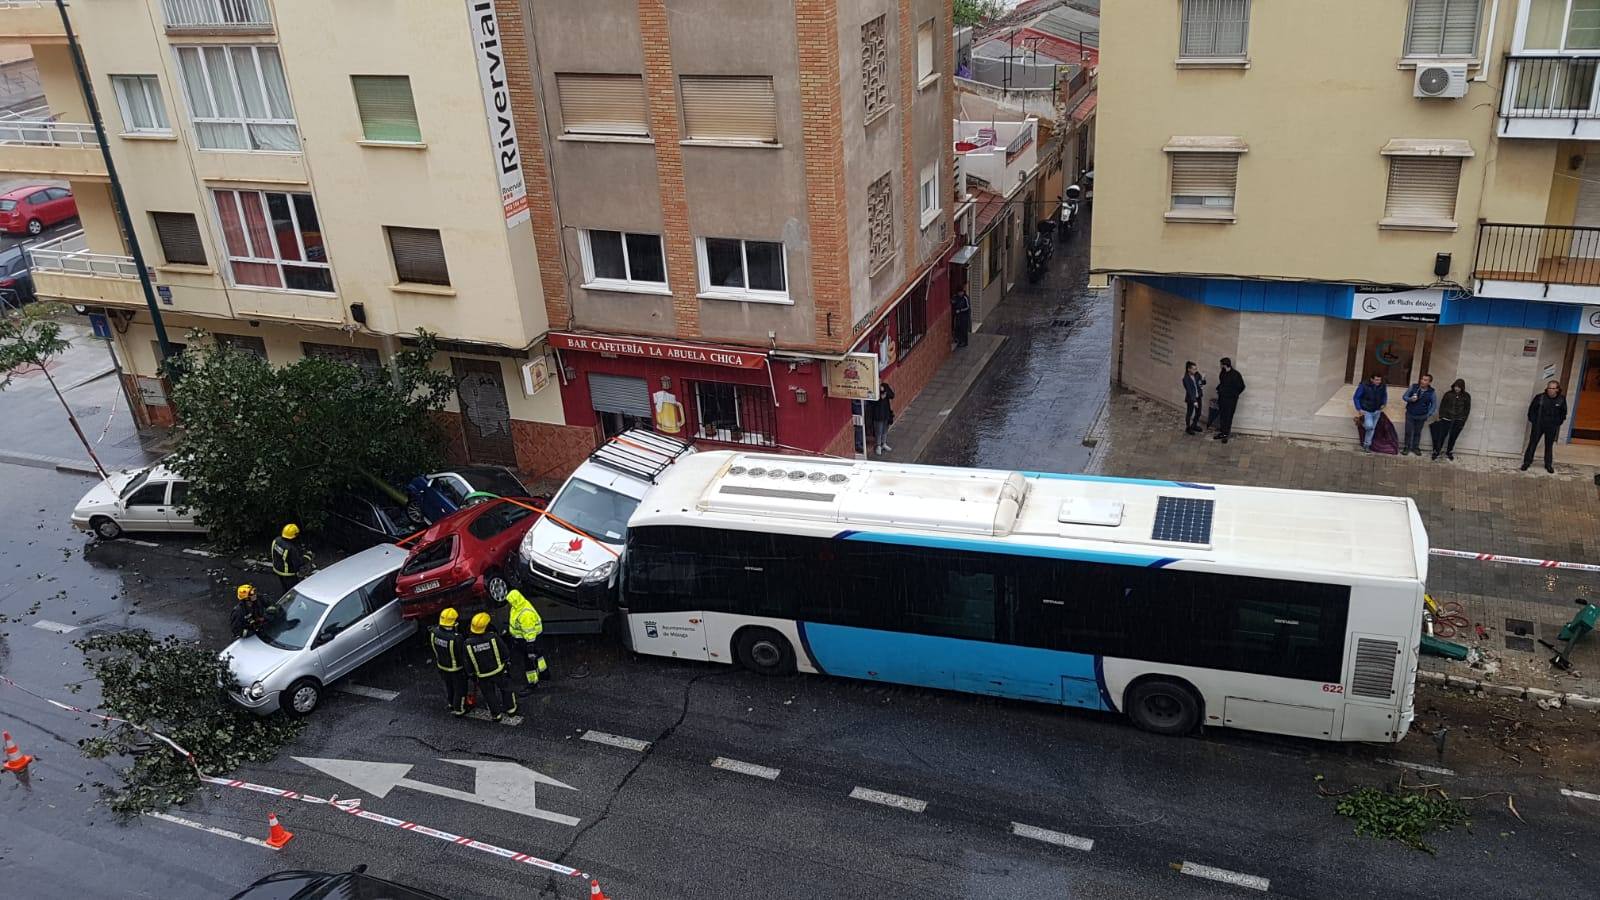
x=995, y=342
x=40, y=461
x=1095, y=438
x=1576, y=701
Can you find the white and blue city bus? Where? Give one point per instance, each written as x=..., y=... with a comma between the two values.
x=1293, y=612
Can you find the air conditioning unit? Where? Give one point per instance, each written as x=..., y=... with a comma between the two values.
x=1440, y=82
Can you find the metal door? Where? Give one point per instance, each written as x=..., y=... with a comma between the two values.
x=485, y=413
x=146, y=510
x=355, y=638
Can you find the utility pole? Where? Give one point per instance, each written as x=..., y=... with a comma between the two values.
x=118, y=199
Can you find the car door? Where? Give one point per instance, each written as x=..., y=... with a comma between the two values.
x=180, y=516
x=61, y=205
x=146, y=510
x=384, y=609
x=346, y=634
x=38, y=207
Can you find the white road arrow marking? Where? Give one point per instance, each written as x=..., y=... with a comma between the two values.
x=499, y=785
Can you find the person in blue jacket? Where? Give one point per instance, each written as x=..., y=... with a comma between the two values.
x=1370, y=399
x=1421, y=401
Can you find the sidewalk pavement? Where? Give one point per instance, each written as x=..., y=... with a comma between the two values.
x=1475, y=504
x=916, y=426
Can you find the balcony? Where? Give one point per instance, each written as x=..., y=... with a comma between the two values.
x=30, y=21
x=1552, y=263
x=33, y=143
x=1000, y=154
x=66, y=269
x=1550, y=97
x=216, y=16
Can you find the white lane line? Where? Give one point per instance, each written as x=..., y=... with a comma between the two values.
x=744, y=768
x=220, y=832
x=361, y=690
x=57, y=627
x=141, y=543
x=910, y=804
x=1059, y=838
x=196, y=551
x=616, y=740
x=1418, y=767
x=1581, y=795
x=1237, y=879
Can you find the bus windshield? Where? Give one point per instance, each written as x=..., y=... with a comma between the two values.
x=600, y=512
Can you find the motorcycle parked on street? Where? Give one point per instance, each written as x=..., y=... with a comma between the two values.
x=1071, y=210
x=1040, y=247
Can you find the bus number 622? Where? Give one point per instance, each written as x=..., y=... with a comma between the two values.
x=1333, y=688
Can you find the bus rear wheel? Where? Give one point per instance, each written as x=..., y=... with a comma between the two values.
x=764, y=651
x=1164, y=707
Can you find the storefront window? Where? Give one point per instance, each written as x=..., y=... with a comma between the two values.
x=733, y=413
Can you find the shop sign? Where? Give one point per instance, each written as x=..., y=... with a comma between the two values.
x=1590, y=323
x=1424, y=305
x=535, y=375
x=152, y=392
x=1530, y=347
x=684, y=353
x=497, y=108
x=853, y=378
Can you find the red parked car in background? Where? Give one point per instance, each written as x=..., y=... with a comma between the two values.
x=464, y=558
x=36, y=207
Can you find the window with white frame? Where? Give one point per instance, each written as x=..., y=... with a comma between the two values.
x=925, y=45
x=735, y=269
x=139, y=98
x=623, y=261
x=1422, y=191
x=274, y=240
x=1214, y=29
x=1561, y=25
x=928, y=199
x=1443, y=28
x=238, y=97
x=1204, y=177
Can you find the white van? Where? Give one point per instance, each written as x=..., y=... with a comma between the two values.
x=586, y=523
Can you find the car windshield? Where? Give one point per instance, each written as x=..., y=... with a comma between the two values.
x=7, y=205
x=137, y=482
x=496, y=482
x=294, y=622
x=599, y=512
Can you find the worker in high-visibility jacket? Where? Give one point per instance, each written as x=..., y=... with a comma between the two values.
x=486, y=650
x=524, y=627
x=287, y=557
x=450, y=658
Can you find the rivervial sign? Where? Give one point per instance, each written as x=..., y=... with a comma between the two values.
x=1424, y=305
x=497, y=107
x=687, y=353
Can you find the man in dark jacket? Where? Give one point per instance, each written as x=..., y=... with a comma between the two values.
x=1545, y=415
x=1230, y=384
x=883, y=416
x=249, y=616
x=1421, y=400
x=1370, y=399
x=1455, y=405
x=1194, y=393
x=960, y=317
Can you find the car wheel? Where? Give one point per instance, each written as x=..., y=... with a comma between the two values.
x=764, y=651
x=35, y=226
x=1164, y=707
x=414, y=513
x=105, y=528
x=302, y=697
x=497, y=586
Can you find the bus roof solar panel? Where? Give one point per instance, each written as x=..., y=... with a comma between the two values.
x=1183, y=520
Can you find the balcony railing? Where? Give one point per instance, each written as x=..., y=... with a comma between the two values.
x=37, y=128
x=19, y=4
x=1539, y=254
x=1550, y=87
x=70, y=255
x=217, y=14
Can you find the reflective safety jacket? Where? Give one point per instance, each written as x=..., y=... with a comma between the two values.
x=487, y=653
x=286, y=556
x=525, y=622
x=448, y=648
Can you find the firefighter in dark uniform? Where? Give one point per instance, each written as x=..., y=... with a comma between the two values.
x=450, y=657
x=287, y=557
x=248, y=616
x=487, y=652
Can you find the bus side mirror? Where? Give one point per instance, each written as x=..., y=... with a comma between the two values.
x=598, y=587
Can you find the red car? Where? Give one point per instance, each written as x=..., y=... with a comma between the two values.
x=36, y=207
x=464, y=557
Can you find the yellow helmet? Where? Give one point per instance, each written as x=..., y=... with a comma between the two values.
x=480, y=623
x=448, y=617
x=246, y=591
x=291, y=531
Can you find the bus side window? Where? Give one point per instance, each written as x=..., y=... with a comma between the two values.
x=952, y=594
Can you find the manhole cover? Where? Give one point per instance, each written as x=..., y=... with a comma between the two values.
x=1519, y=626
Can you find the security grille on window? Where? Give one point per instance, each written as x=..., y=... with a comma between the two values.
x=993, y=252
x=274, y=240
x=875, y=67
x=180, y=238
x=911, y=319
x=733, y=413
x=734, y=269
x=1204, y=182
x=387, y=111
x=1422, y=190
x=925, y=50
x=238, y=98
x=418, y=255
x=880, y=221
x=139, y=98
x=1214, y=28
x=623, y=260
x=244, y=343
x=602, y=104
x=216, y=13
x=1443, y=28
x=364, y=358
x=726, y=108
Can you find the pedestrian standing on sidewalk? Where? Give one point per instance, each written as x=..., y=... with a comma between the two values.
x=1421, y=401
x=960, y=317
x=883, y=416
x=1230, y=384
x=1545, y=415
x=1454, y=407
x=1369, y=400
x=1194, y=393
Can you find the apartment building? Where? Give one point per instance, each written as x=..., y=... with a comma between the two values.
x=751, y=203
x=1409, y=186
x=302, y=180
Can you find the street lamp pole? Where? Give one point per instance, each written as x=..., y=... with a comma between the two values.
x=118, y=200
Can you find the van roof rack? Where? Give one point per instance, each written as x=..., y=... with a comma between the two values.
x=641, y=453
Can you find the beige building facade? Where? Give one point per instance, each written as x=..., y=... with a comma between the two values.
x=1411, y=187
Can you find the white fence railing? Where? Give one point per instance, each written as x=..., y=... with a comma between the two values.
x=217, y=13
x=46, y=133
x=70, y=255
x=19, y=4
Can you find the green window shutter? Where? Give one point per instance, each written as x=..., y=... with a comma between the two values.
x=387, y=111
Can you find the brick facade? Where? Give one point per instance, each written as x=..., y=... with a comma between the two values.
x=661, y=92
x=817, y=32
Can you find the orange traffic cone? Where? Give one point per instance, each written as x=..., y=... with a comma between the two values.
x=278, y=835
x=594, y=890
x=15, y=761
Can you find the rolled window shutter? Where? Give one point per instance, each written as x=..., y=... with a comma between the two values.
x=602, y=104
x=418, y=255
x=1213, y=175
x=1427, y=27
x=1422, y=187
x=729, y=108
x=1460, y=28
x=180, y=238
x=387, y=110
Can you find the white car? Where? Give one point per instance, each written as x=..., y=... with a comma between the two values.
x=149, y=499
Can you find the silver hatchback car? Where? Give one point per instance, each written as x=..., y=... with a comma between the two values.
x=325, y=627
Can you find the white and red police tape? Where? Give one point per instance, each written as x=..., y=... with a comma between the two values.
x=1515, y=560
x=94, y=715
